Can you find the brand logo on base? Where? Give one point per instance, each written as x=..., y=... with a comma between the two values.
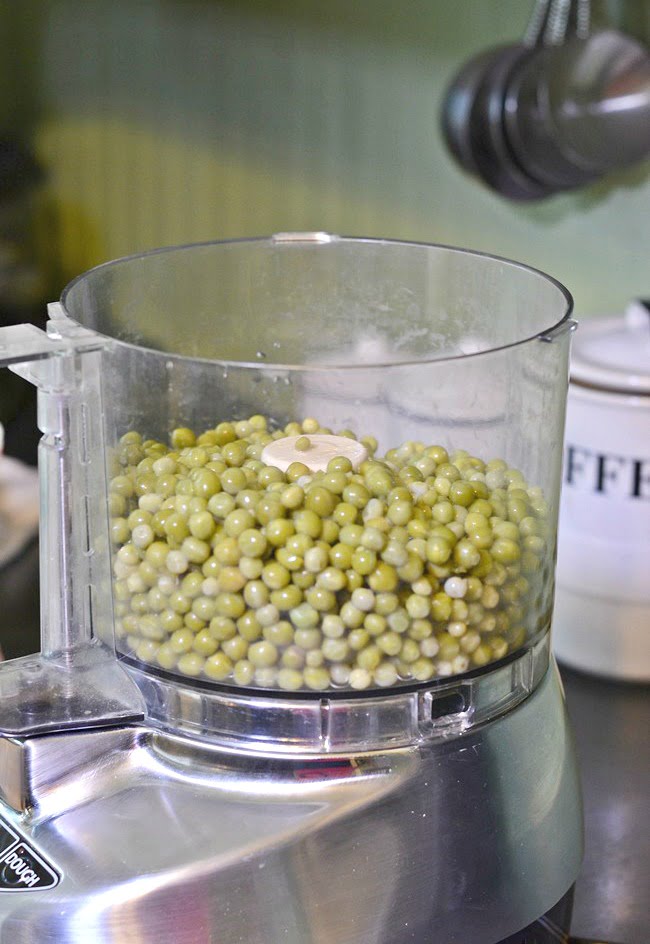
x=22, y=869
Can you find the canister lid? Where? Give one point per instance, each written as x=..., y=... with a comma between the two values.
x=614, y=353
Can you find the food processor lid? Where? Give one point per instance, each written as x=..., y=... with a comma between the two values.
x=613, y=354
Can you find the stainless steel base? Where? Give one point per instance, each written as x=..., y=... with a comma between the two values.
x=162, y=839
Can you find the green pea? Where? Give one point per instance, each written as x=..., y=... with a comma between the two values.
x=481, y=539
x=439, y=549
x=166, y=657
x=195, y=550
x=182, y=438
x=194, y=458
x=400, y=511
x=321, y=599
x=280, y=634
x=530, y=562
x=238, y=521
x=373, y=539
x=263, y=654
x=216, y=465
x=303, y=579
x=269, y=509
x=122, y=485
x=505, y=551
x=278, y=531
x=202, y=525
x=417, y=528
x=222, y=628
x=218, y=666
x=364, y=561
x=230, y=604
x=466, y=555
x=171, y=621
x=423, y=669
x=358, y=639
x=378, y=482
x=317, y=679
x=351, y=615
x=394, y=554
x=234, y=453
x=204, y=608
x=205, y=643
x=268, y=475
x=390, y=642
x=120, y=532
x=316, y=558
x=341, y=556
x=336, y=650
x=146, y=650
x=344, y=514
x=286, y=598
x=461, y=493
x=440, y=607
x=412, y=570
x=355, y=494
x=192, y=584
x=116, y=505
x=299, y=544
x=290, y=680
x=351, y=534
x=330, y=578
x=181, y=640
x=193, y=622
x=225, y=550
x=449, y=647
x=296, y=471
x=304, y=616
x=233, y=480
x=517, y=510
x=334, y=481
x=353, y=580
x=221, y=504
x=369, y=658
x=307, y=522
x=329, y=532
x=252, y=543
x=341, y=463
x=256, y=594
x=176, y=528
x=383, y=578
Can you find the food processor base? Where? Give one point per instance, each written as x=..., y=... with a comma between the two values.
x=135, y=834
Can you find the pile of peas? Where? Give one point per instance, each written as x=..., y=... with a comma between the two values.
x=418, y=565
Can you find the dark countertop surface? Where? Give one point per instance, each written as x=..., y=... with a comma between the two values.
x=611, y=722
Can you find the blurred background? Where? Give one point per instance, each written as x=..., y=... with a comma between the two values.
x=131, y=124
x=140, y=123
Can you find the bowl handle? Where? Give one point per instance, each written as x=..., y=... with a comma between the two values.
x=75, y=681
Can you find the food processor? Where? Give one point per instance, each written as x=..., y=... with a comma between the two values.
x=299, y=501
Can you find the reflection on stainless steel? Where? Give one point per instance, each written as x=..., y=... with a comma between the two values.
x=475, y=835
x=554, y=112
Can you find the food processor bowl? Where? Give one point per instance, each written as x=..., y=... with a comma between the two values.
x=430, y=355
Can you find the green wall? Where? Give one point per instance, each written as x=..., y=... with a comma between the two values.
x=164, y=121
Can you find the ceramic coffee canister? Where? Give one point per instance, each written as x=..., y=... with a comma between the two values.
x=602, y=610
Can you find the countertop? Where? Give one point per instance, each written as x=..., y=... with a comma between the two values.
x=611, y=722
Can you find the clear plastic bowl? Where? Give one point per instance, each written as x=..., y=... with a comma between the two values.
x=434, y=558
